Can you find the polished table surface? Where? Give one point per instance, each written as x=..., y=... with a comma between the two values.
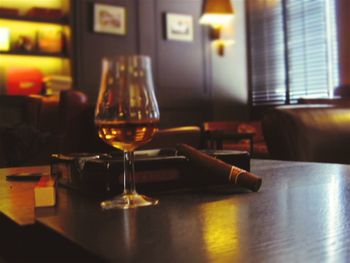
x=300, y=214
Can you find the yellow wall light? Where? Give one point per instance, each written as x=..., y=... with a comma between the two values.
x=4, y=39
x=47, y=65
x=216, y=14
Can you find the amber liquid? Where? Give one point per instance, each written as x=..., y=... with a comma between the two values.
x=126, y=136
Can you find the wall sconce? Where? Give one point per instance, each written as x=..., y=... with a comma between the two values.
x=217, y=13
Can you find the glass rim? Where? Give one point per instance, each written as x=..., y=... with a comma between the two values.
x=133, y=56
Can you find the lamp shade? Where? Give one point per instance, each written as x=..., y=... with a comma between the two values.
x=216, y=12
x=222, y=7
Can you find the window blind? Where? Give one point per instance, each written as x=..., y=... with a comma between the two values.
x=333, y=42
x=267, y=51
x=291, y=50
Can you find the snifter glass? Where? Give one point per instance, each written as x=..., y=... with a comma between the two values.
x=127, y=117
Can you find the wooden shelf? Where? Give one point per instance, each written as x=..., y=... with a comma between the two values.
x=61, y=21
x=35, y=53
x=28, y=21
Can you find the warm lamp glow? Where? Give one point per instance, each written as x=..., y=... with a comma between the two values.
x=27, y=28
x=217, y=13
x=33, y=32
x=4, y=39
x=47, y=65
x=25, y=5
x=220, y=45
x=215, y=20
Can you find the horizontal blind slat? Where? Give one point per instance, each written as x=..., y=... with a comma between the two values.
x=307, y=49
x=267, y=52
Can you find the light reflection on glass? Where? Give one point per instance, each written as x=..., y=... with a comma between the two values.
x=130, y=230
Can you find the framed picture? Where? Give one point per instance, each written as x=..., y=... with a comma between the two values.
x=179, y=27
x=109, y=19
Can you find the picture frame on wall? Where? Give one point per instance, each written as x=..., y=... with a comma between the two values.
x=109, y=19
x=179, y=27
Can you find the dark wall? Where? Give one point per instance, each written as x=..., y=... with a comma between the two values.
x=90, y=47
x=180, y=68
x=343, y=21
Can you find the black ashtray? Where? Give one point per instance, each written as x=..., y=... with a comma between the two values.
x=156, y=170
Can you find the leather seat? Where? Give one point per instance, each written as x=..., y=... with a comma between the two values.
x=315, y=133
x=36, y=126
x=72, y=111
x=15, y=110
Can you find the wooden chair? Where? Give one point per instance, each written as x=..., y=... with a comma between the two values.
x=235, y=135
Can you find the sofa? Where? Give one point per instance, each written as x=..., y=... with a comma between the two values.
x=15, y=111
x=33, y=127
x=311, y=132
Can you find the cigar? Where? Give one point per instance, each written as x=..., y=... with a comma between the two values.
x=224, y=172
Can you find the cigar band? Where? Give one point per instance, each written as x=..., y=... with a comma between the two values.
x=234, y=173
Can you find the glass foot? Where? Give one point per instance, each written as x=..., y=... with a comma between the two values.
x=126, y=201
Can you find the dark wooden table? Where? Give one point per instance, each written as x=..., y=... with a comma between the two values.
x=301, y=214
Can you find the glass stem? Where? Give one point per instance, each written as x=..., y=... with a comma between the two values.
x=129, y=178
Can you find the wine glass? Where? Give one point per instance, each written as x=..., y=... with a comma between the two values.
x=126, y=117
